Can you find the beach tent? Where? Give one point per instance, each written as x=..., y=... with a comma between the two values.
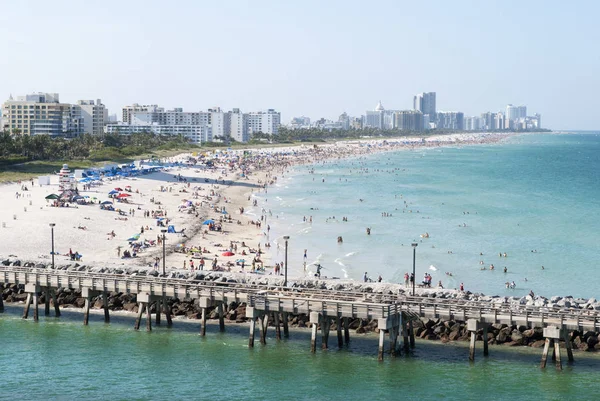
x=134, y=237
x=171, y=229
x=206, y=222
x=52, y=196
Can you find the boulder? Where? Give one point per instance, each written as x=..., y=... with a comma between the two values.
x=538, y=344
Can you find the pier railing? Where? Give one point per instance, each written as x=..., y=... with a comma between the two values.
x=327, y=302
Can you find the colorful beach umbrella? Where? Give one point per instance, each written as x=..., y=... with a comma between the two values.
x=228, y=253
x=52, y=196
x=123, y=195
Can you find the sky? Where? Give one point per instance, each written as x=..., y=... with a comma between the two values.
x=312, y=58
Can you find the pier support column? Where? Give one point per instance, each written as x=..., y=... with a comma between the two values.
x=138, y=320
x=394, y=341
x=381, y=343
x=86, y=310
x=167, y=309
x=411, y=333
x=55, y=302
x=553, y=335
x=27, y=304
x=46, y=301
x=1, y=300
x=346, y=330
x=221, y=317
x=251, y=314
x=404, y=326
x=277, y=326
x=158, y=311
x=148, y=317
x=36, y=316
x=105, y=306
x=263, y=325
x=338, y=326
x=314, y=320
x=325, y=326
x=203, y=323
x=485, y=340
x=568, y=345
x=286, y=329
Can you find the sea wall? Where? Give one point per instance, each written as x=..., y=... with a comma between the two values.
x=438, y=329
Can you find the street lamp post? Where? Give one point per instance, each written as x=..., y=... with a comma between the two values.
x=286, y=238
x=414, y=245
x=52, y=231
x=163, y=231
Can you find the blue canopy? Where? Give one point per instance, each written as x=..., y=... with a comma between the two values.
x=113, y=192
x=208, y=222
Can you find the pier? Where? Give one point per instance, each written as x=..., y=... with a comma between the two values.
x=395, y=314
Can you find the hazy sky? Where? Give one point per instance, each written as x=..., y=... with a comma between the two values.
x=313, y=58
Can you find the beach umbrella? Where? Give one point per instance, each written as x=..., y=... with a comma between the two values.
x=113, y=192
x=118, y=189
x=208, y=222
x=77, y=197
x=107, y=202
x=123, y=195
x=224, y=212
x=228, y=253
x=52, y=196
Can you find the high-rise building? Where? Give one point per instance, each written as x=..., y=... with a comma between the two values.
x=450, y=120
x=374, y=119
x=41, y=114
x=237, y=124
x=217, y=122
x=95, y=116
x=408, y=120
x=425, y=103
x=344, y=120
x=128, y=110
x=266, y=122
x=512, y=112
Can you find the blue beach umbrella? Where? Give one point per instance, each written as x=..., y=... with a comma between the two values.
x=208, y=222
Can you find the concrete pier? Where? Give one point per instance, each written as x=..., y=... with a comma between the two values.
x=314, y=321
x=553, y=334
x=473, y=326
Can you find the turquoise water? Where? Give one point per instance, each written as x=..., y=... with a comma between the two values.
x=61, y=359
x=529, y=193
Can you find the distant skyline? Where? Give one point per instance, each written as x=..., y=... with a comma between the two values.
x=310, y=58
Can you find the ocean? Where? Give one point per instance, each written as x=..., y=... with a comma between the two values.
x=534, y=197
x=528, y=193
x=60, y=359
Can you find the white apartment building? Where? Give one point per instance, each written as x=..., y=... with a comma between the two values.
x=41, y=114
x=266, y=122
x=237, y=122
x=95, y=116
x=196, y=133
x=128, y=110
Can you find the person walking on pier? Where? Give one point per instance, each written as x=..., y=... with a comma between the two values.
x=406, y=279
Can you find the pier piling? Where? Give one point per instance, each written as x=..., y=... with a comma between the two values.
x=203, y=323
x=277, y=326
x=314, y=320
x=158, y=312
x=553, y=335
x=27, y=304
x=338, y=326
x=139, y=316
x=346, y=330
x=105, y=306
x=47, y=301
x=286, y=330
x=148, y=318
x=221, y=317
x=325, y=326
x=36, y=316
x=252, y=330
x=55, y=302
x=86, y=310
x=263, y=325
x=167, y=309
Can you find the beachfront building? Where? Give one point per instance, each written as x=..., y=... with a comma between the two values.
x=408, y=120
x=344, y=120
x=41, y=114
x=374, y=119
x=236, y=124
x=94, y=116
x=267, y=122
x=426, y=103
x=300, y=123
x=474, y=123
x=127, y=111
x=450, y=120
x=195, y=133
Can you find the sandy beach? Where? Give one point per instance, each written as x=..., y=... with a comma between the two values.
x=184, y=197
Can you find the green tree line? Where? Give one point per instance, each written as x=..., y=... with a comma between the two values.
x=91, y=147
